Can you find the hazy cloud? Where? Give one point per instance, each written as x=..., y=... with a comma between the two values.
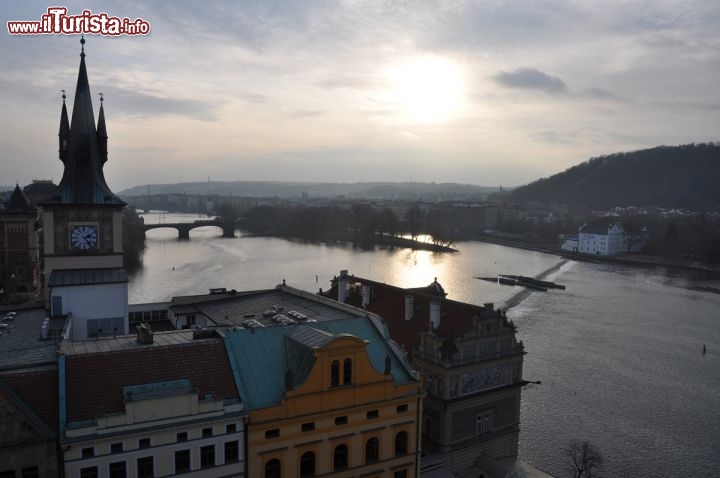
x=130, y=103
x=532, y=79
x=600, y=94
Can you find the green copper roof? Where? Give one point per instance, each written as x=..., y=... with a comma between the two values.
x=261, y=357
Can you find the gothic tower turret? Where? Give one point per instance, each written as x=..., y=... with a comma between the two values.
x=64, y=134
x=82, y=225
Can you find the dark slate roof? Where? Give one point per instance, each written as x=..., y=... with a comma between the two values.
x=389, y=303
x=83, y=181
x=595, y=229
x=39, y=427
x=261, y=383
x=72, y=277
x=39, y=190
x=232, y=309
x=18, y=203
x=21, y=344
x=202, y=363
x=37, y=387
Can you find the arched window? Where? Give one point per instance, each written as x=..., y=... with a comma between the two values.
x=335, y=373
x=340, y=458
x=307, y=465
x=372, y=450
x=401, y=443
x=273, y=469
x=347, y=371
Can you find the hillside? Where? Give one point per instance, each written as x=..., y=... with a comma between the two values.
x=686, y=177
x=408, y=191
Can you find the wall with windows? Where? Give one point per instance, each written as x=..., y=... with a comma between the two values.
x=212, y=447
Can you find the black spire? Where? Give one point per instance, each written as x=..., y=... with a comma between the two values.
x=64, y=134
x=102, y=132
x=18, y=202
x=85, y=153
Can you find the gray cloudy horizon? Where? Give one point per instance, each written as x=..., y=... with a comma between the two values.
x=479, y=92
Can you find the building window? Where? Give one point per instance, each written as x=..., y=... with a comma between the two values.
x=116, y=447
x=232, y=451
x=307, y=465
x=401, y=444
x=341, y=420
x=31, y=472
x=400, y=474
x=308, y=427
x=372, y=414
x=207, y=456
x=207, y=432
x=483, y=423
x=117, y=470
x=401, y=408
x=89, y=472
x=347, y=371
x=340, y=458
x=231, y=428
x=372, y=450
x=273, y=433
x=182, y=436
x=145, y=467
x=182, y=461
x=335, y=373
x=88, y=452
x=144, y=443
x=273, y=469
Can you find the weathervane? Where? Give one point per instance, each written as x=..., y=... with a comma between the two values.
x=63, y=96
x=82, y=42
x=101, y=97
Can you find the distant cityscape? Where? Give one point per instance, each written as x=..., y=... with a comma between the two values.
x=361, y=379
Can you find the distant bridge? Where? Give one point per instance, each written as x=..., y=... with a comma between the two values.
x=184, y=228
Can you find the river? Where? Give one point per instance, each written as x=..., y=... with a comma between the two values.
x=618, y=353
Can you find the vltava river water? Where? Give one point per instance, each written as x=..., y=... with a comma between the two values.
x=619, y=352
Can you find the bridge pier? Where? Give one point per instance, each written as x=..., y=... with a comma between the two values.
x=183, y=232
x=228, y=231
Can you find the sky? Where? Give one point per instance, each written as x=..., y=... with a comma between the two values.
x=480, y=92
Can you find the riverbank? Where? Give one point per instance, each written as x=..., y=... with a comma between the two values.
x=382, y=241
x=625, y=259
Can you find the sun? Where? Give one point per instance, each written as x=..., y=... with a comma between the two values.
x=426, y=89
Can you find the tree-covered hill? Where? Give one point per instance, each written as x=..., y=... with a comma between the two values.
x=686, y=177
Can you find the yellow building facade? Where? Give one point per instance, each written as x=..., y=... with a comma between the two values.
x=352, y=411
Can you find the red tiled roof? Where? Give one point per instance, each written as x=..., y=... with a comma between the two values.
x=94, y=381
x=389, y=303
x=39, y=391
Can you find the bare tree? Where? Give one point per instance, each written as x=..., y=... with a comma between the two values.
x=587, y=461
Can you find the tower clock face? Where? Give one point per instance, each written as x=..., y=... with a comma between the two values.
x=83, y=237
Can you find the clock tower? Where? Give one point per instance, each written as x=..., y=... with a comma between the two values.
x=83, y=273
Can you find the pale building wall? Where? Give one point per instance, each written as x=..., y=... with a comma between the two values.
x=108, y=301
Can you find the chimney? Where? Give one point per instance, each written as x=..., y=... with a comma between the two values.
x=365, y=295
x=343, y=286
x=409, y=307
x=144, y=334
x=435, y=314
